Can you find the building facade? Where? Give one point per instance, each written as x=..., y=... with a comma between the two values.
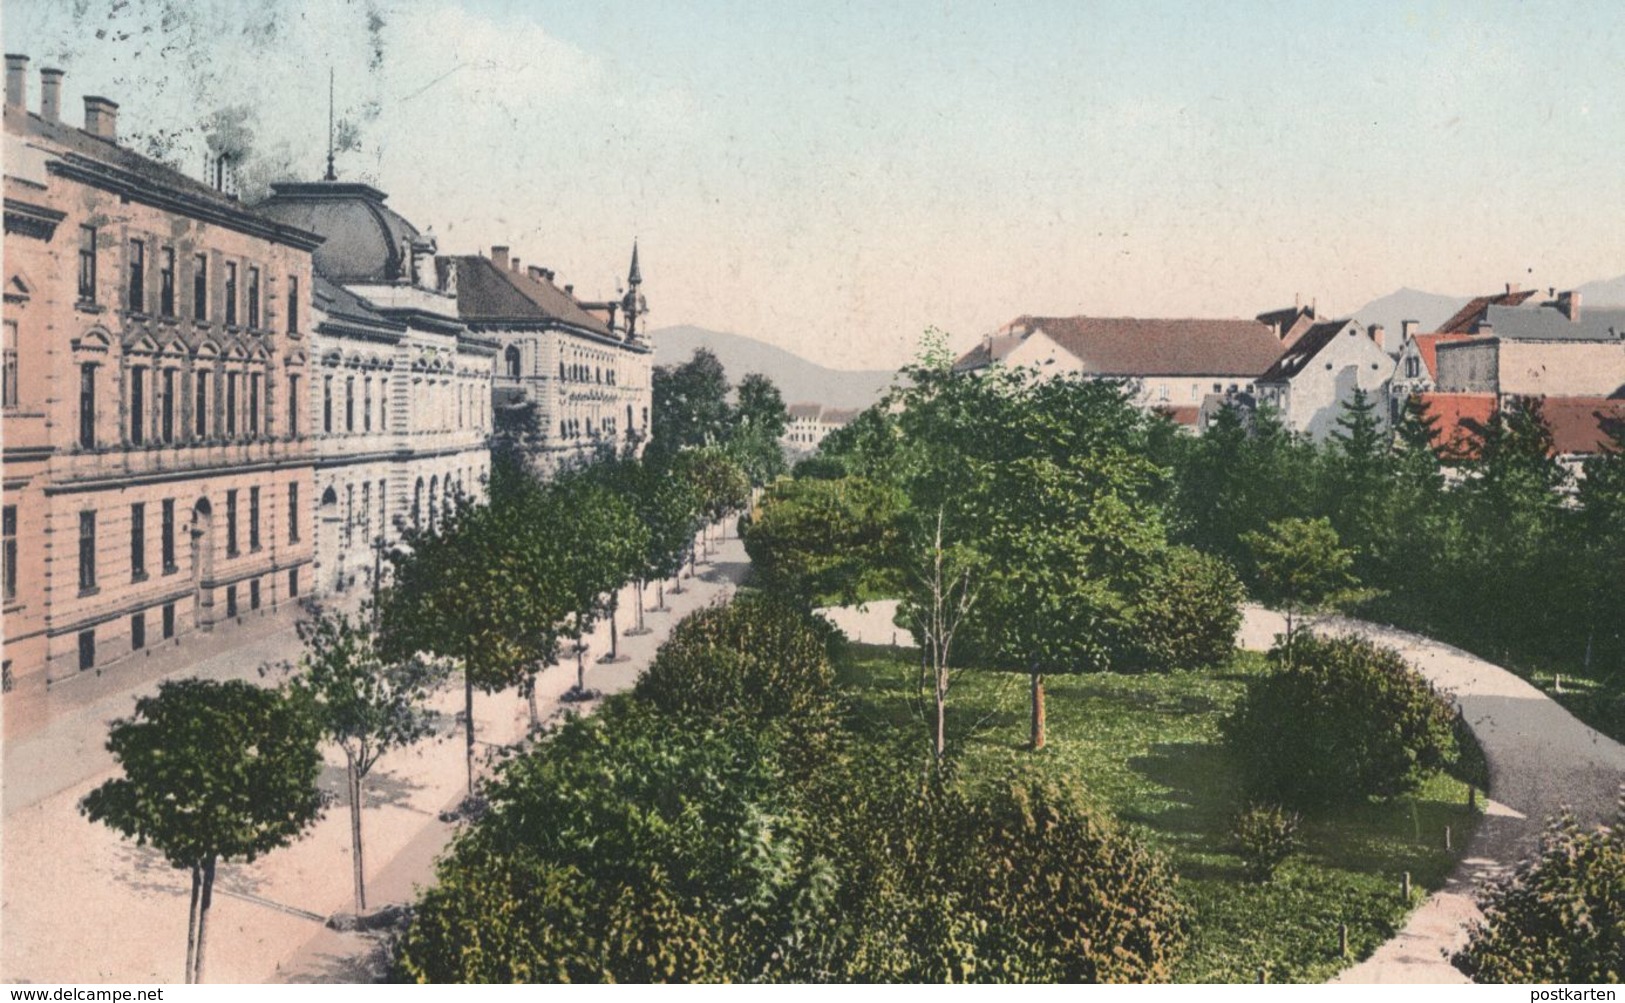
x=809, y=424
x=1313, y=382
x=157, y=462
x=573, y=377
x=400, y=389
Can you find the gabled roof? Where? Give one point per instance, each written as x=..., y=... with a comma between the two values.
x=1580, y=425
x=840, y=416
x=1427, y=346
x=1303, y=351
x=1546, y=323
x=1460, y=417
x=1467, y=319
x=495, y=296
x=804, y=412
x=1135, y=347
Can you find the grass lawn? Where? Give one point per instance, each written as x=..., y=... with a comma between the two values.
x=1147, y=748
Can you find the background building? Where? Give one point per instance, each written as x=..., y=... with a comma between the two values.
x=157, y=463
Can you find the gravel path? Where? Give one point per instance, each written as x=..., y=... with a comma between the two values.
x=1541, y=758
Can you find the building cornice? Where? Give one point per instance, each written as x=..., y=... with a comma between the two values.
x=32, y=220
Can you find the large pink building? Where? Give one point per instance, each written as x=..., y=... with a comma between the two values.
x=157, y=463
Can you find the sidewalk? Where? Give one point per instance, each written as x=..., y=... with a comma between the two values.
x=1541, y=759
x=267, y=922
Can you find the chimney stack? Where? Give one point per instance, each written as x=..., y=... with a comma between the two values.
x=570, y=290
x=16, y=81
x=499, y=257
x=1378, y=335
x=534, y=271
x=101, y=118
x=50, y=94
x=513, y=264
x=1407, y=330
x=1512, y=287
x=1569, y=303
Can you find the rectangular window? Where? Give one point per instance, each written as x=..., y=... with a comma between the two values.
x=253, y=403
x=231, y=405
x=138, y=541
x=138, y=276
x=231, y=600
x=254, y=297
x=293, y=407
x=383, y=404
x=167, y=536
x=87, y=406
x=87, y=551
x=166, y=282
x=293, y=583
x=87, y=650
x=231, y=293
x=169, y=620
x=8, y=379
x=166, y=408
x=254, y=594
x=349, y=404
x=8, y=565
x=383, y=508
x=293, y=512
x=138, y=405
x=327, y=404
x=366, y=405
x=87, y=264
x=138, y=631
x=200, y=287
x=231, y=523
x=200, y=405
x=254, y=518
x=293, y=304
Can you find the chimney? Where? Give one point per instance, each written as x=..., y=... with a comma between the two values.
x=570, y=290
x=534, y=272
x=1297, y=301
x=513, y=264
x=1569, y=303
x=16, y=81
x=1512, y=287
x=50, y=94
x=101, y=118
x=1407, y=330
x=499, y=257
x=1378, y=335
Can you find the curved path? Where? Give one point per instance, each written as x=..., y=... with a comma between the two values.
x=1541, y=759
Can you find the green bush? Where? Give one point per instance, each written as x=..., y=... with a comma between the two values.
x=1266, y=835
x=1187, y=614
x=1346, y=720
x=1560, y=917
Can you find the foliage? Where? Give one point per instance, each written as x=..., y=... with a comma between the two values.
x=1188, y=612
x=1302, y=569
x=690, y=404
x=1560, y=917
x=1266, y=835
x=829, y=541
x=759, y=421
x=1344, y=720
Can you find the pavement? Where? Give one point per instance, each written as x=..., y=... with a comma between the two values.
x=80, y=904
x=1541, y=760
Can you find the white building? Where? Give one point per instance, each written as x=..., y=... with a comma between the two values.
x=573, y=378
x=1315, y=379
x=809, y=424
x=400, y=396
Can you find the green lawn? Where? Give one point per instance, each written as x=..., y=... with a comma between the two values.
x=1146, y=746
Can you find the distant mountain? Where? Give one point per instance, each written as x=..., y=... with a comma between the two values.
x=1603, y=292
x=797, y=379
x=1431, y=309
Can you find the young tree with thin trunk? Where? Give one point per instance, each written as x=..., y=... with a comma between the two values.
x=367, y=706
x=1303, y=569
x=212, y=771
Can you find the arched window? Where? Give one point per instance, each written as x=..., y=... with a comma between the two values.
x=510, y=358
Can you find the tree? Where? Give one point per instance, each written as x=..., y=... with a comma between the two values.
x=759, y=422
x=212, y=771
x=365, y=705
x=826, y=540
x=690, y=404
x=1601, y=530
x=603, y=545
x=1302, y=570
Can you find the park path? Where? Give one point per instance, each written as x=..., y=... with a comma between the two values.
x=79, y=904
x=1541, y=759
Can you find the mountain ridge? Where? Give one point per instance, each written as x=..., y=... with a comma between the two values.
x=799, y=380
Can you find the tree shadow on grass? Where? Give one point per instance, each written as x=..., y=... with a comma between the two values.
x=1193, y=813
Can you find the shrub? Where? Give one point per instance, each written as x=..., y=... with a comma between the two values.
x=1346, y=720
x=1188, y=612
x=1061, y=894
x=1266, y=835
x=1560, y=917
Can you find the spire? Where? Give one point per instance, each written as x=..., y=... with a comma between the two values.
x=331, y=176
x=635, y=276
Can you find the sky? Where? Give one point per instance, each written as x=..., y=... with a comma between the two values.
x=833, y=177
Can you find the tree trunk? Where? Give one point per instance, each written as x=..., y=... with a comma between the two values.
x=660, y=596
x=191, y=922
x=614, y=641
x=530, y=700
x=1038, y=710
x=942, y=725
x=468, y=708
x=641, y=628
x=581, y=669
x=355, y=834
x=203, y=919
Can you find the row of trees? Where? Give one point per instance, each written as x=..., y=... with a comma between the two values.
x=693, y=410
x=1020, y=521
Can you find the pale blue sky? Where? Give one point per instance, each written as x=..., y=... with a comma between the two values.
x=834, y=176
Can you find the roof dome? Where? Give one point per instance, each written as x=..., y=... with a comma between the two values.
x=365, y=240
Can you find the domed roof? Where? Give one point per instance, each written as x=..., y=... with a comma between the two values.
x=366, y=241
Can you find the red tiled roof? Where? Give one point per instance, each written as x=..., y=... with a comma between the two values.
x=1580, y=425
x=1180, y=414
x=1469, y=316
x=1428, y=346
x=1460, y=417
x=1134, y=346
x=487, y=294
